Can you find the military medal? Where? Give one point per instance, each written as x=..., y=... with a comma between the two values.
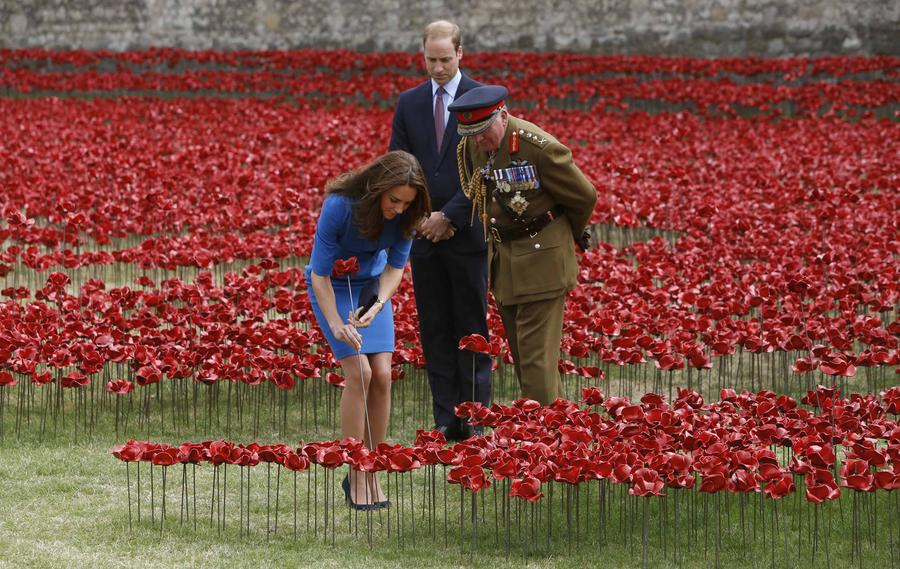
x=518, y=204
x=520, y=177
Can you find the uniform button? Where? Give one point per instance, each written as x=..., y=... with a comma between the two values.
x=493, y=220
x=537, y=245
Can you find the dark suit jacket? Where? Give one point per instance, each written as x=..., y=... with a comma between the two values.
x=413, y=132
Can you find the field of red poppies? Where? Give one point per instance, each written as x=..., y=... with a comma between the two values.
x=732, y=344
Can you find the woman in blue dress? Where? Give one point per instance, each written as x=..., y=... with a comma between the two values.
x=371, y=214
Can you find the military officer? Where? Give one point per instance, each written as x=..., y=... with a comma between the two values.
x=535, y=204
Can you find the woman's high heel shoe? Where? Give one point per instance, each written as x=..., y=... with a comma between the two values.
x=345, y=484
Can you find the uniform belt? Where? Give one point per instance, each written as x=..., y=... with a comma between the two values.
x=530, y=229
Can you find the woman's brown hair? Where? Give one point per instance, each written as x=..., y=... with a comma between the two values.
x=368, y=183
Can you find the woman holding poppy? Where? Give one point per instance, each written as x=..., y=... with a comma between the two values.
x=369, y=213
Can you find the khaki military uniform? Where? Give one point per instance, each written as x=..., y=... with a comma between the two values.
x=531, y=271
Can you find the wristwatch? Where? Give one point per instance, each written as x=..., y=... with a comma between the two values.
x=447, y=219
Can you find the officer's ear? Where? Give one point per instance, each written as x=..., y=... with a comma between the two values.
x=459, y=53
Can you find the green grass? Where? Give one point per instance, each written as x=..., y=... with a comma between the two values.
x=66, y=505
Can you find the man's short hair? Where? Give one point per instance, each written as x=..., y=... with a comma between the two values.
x=443, y=29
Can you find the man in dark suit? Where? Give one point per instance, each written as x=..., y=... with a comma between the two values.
x=449, y=260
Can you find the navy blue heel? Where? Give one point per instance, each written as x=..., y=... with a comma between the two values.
x=345, y=484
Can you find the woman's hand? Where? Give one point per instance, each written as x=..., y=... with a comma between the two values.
x=362, y=321
x=348, y=334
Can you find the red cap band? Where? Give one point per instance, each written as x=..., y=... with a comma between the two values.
x=476, y=115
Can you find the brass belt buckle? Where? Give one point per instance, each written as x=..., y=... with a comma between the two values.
x=495, y=233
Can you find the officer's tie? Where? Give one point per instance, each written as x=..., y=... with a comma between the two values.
x=439, y=117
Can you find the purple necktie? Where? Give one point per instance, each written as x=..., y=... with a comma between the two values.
x=439, y=117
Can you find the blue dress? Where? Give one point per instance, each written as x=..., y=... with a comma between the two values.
x=337, y=238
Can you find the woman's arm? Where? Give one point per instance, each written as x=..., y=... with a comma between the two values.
x=388, y=283
x=345, y=332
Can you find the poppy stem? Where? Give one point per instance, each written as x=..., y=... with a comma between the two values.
x=474, y=523
x=162, y=513
x=644, y=534
x=152, y=498
x=224, y=495
x=183, y=505
x=268, y=497
x=215, y=486
x=505, y=505
x=277, y=495
x=675, y=537
x=128, y=486
x=815, y=543
x=718, y=530
x=295, y=505
x=228, y=410
x=772, y=527
x=247, y=501
x=194, y=492
x=138, y=488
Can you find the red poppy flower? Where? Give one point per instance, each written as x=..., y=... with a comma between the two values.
x=7, y=380
x=272, y=453
x=780, y=486
x=528, y=488
x=335, y=379
x=820, y=486
x=129, y=452
x=469, y=477
x=193, y=453
x=345, y=267
x=57, y=280
x=296, y=462
x=166, y=457
x=402, y=460
x=75, y=379
x=591, y=395
x=220, y=451
x=887, y=480
x=120, y=387
x=742, y=481
x=148, y=375
x=283, y=380
x=712, y=483
x=42, y=378
x=646, y=482
x=856, y=474
x=475, y=343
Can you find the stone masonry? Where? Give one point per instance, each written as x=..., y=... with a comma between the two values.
x=705, y=28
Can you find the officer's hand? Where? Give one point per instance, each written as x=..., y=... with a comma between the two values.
x=584, y=241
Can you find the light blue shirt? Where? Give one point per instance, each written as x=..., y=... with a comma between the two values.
x=449, y=94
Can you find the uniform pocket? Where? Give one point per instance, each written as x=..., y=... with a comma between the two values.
x=537, y=266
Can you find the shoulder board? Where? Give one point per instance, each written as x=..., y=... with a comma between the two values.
x=538, y=140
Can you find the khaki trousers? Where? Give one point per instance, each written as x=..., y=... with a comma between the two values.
x=534, y=331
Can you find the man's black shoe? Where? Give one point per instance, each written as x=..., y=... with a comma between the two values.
x=448, y=432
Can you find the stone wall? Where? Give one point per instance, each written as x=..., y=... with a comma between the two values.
x=709, y=28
